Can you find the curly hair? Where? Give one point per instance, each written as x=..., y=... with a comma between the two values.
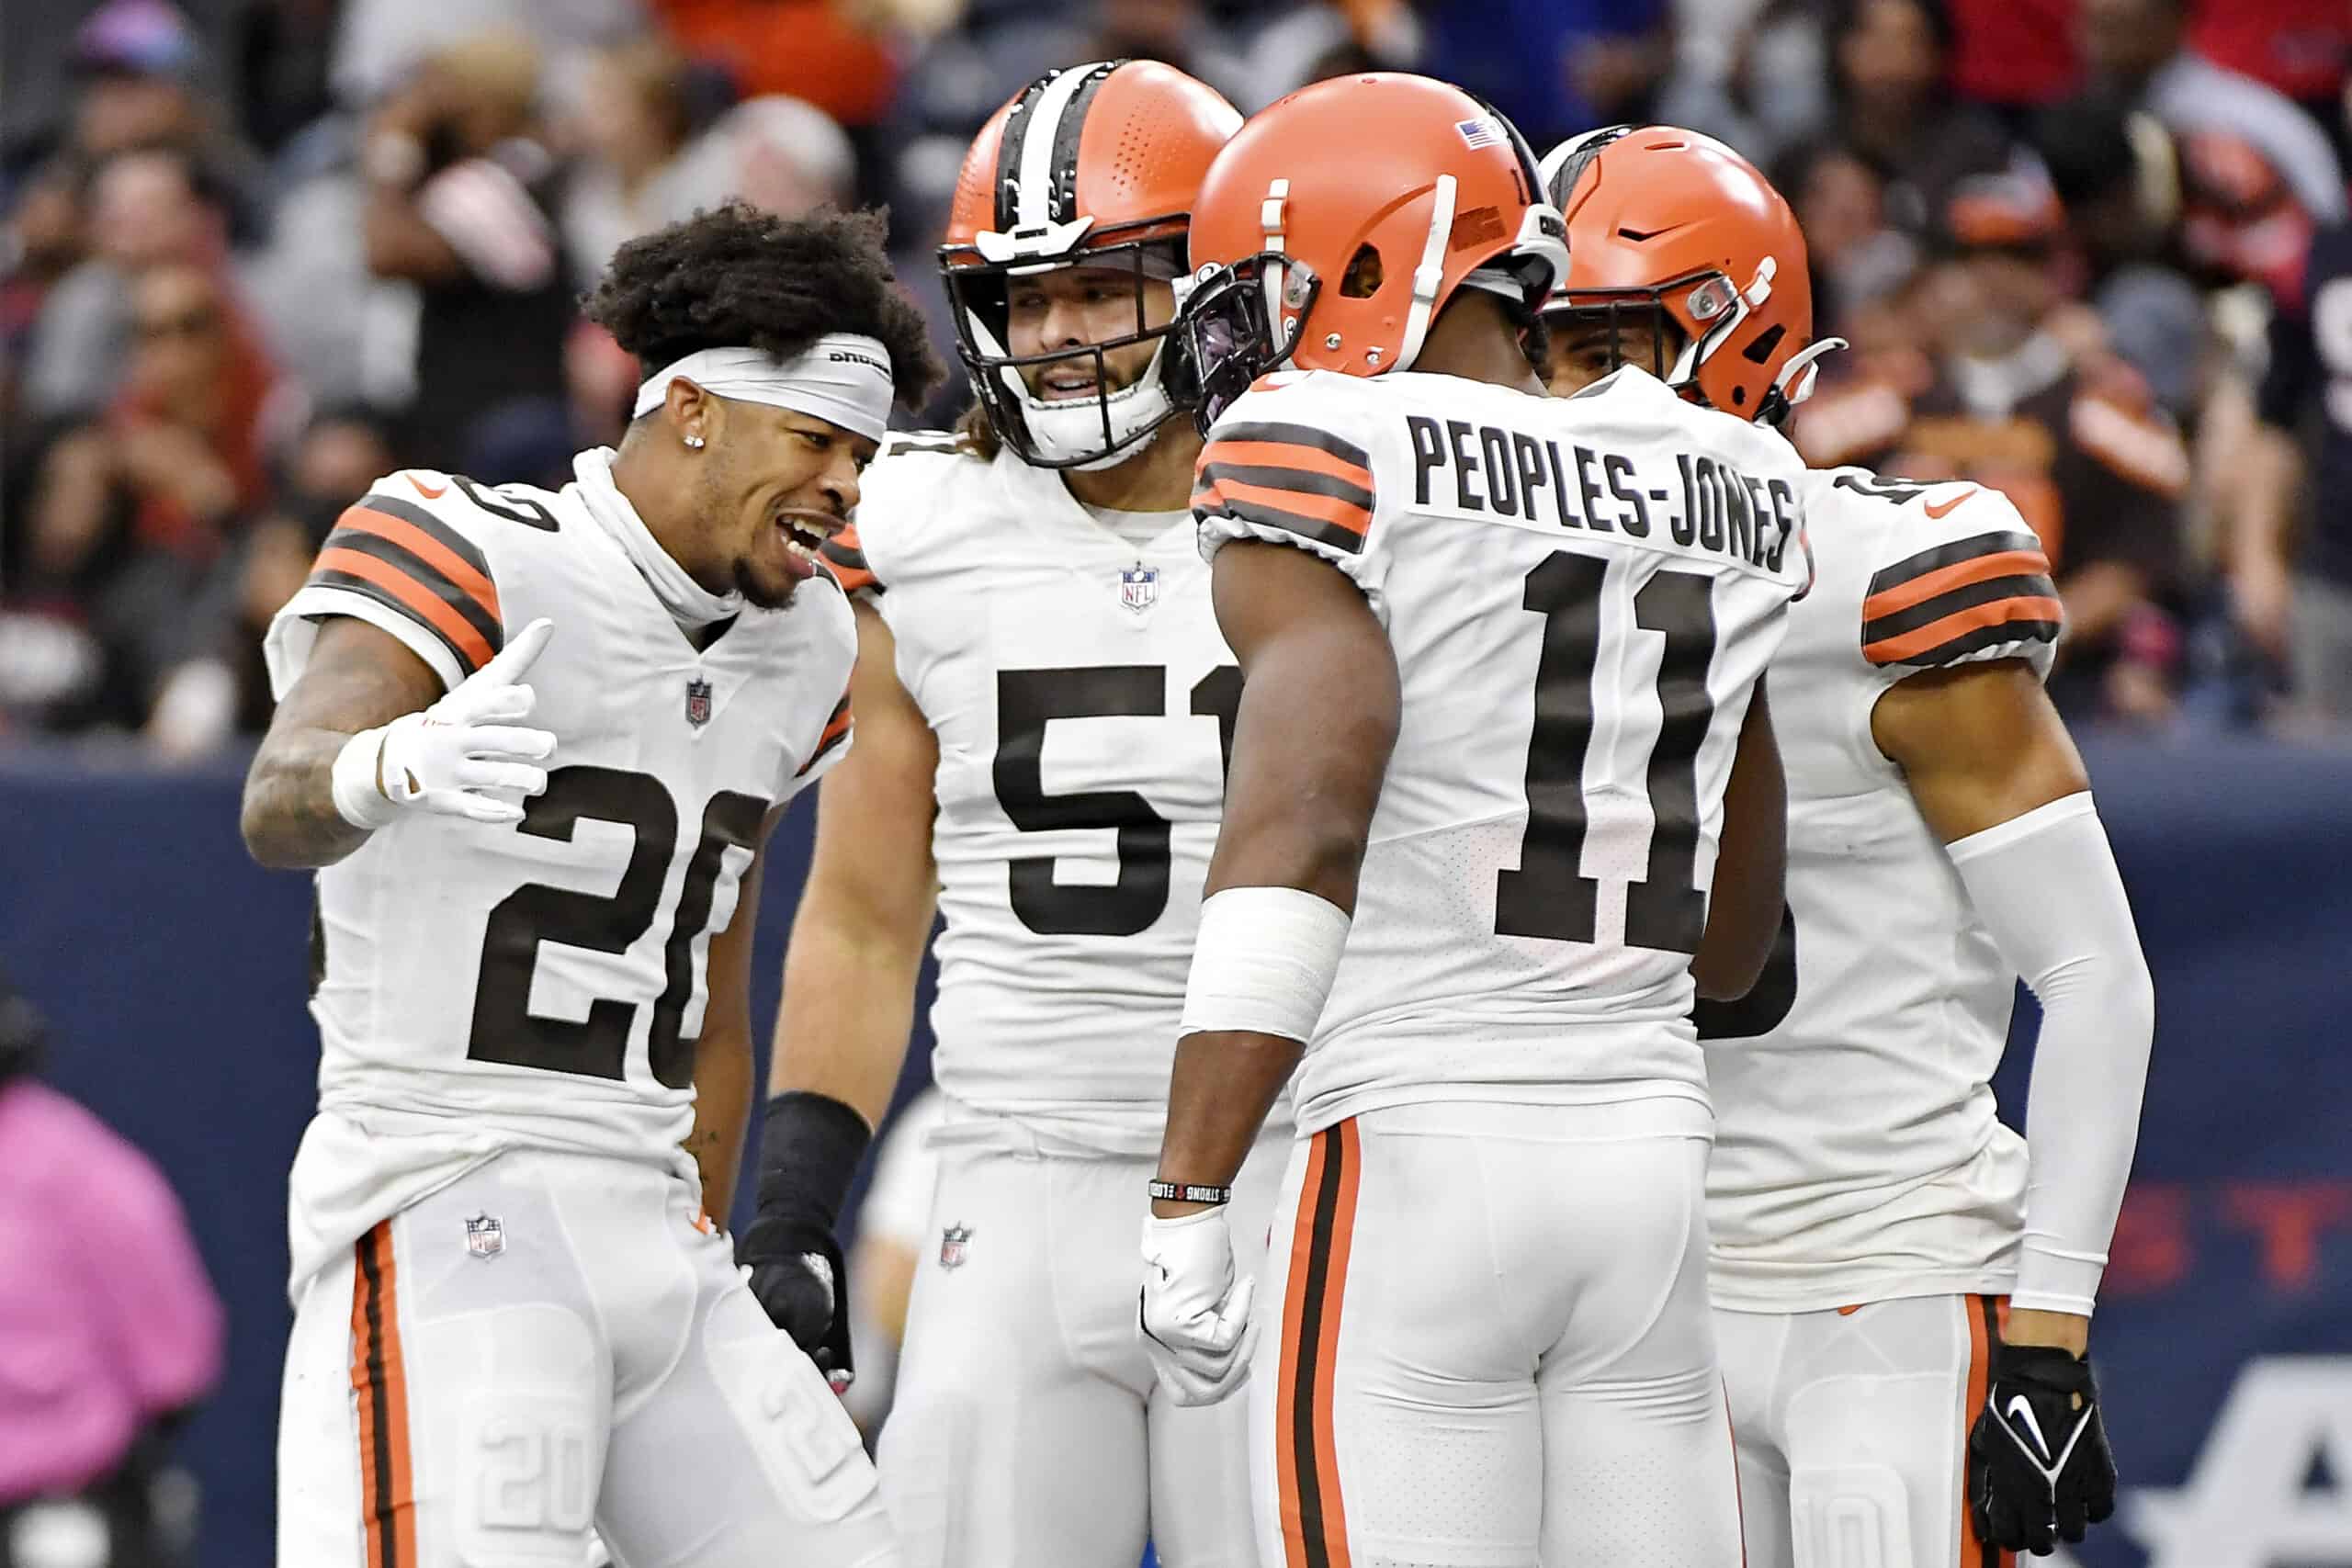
x=735, y=275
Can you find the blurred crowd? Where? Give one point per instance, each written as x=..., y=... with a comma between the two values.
x=259, y=252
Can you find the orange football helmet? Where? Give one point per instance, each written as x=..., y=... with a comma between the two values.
x=1668, y=220
x=1097, y=166
x=1332, y=229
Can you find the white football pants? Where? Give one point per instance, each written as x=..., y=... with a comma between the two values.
x=1483, y=1341
x=550, y=1342
x=1028, y=1431
x=1852, y=1430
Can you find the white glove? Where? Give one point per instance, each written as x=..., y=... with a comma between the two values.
x=462, y=757
x=1195, y=1315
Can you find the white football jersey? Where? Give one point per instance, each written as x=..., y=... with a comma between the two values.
x=1581, y=593
x=1083, y=704
x=480, y=986
x=1857, y=1155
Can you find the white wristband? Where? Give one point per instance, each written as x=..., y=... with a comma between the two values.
x=356, y=799
x=1263, y=961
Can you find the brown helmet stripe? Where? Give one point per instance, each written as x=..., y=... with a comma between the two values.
x=1008, y=149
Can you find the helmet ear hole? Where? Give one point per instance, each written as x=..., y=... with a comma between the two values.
x=1362, y=278
x=1759, y=351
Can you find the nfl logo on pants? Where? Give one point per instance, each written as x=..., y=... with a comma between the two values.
x=953, y=1241
x=697, y=702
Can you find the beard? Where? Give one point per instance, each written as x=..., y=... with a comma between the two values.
x=757, y=594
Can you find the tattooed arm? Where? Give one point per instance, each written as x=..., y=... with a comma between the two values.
x=358, y=677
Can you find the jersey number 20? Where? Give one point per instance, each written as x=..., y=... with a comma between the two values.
x=505, y=1027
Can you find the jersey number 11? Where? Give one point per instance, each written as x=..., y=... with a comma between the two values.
x=1548, y=895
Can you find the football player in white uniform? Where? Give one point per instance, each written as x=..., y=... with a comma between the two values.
x=533, y=742
x=1044, y=708
x=1896, y=1273
x=1501, y=659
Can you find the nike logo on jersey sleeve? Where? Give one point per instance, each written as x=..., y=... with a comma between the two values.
x=402, y=557
x=1959, y=599
x=1940, y=510
x=1291, y=477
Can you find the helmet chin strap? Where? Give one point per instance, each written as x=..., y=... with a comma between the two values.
x=1430, y=276
x=1795, y=381
x=1730, y=307
x=1064, y=428
x=1270, y=223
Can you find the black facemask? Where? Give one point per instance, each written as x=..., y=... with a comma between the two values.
x=1227, y=336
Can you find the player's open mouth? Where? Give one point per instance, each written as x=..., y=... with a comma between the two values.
x=1057, y=385
x=804, y=534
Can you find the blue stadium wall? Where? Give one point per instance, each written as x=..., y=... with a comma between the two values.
x=174, y=971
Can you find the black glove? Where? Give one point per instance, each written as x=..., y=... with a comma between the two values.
x=2039, y=1467
x=809, y=1148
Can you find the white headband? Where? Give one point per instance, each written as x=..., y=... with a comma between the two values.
x=842, y=376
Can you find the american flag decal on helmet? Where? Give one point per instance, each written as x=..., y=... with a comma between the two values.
x=1483, y=131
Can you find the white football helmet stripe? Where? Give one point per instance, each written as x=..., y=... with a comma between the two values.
x=1037, y=169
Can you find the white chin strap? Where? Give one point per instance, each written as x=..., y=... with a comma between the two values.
x=1066, y=428
x=1429, y=276
x=1797, y=376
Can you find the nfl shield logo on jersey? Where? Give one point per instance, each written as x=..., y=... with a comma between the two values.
x=952, y=1243
x=485, y=1237
x=697, y=702
x=1139, y=587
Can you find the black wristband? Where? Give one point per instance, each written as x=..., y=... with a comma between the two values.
x=1190, y=1192
x=809, y=1147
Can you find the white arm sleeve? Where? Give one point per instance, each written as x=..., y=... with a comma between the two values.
x=2046, y=887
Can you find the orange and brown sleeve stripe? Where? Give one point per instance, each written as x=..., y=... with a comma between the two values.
x=1291, y=477
x=400, y=555
x=844, y=559
x=1959, y=599
x=379, y=1379
x=836, y=730
x=1314, y=1518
